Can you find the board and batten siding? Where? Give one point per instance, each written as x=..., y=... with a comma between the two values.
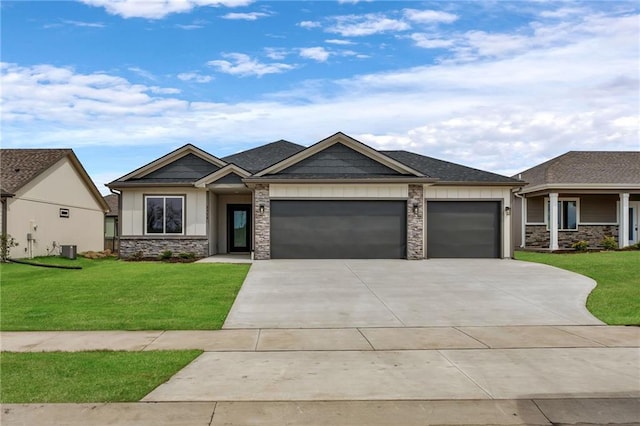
x=599, y=208
x=132, y=218
x=535, y=209
x=475, y=193
x=337, y=191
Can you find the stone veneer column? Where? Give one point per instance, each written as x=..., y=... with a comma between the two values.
x=415, y=223
x=262, y=222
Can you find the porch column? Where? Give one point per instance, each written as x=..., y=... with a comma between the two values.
x=553, y=221
x=623, y=227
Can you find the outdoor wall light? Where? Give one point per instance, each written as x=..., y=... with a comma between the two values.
x=416, y=207
x=261, y=208
x=507, y=210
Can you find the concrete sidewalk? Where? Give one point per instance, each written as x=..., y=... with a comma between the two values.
x=616, y=411
x=339, y=339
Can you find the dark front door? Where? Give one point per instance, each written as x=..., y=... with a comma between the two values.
x=239, y=227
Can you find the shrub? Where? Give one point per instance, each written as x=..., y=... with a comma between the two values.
x=609, y=243
x=189, y=255
x=166, y=255
x=580, y=245
x=139, y=255
x=6, y=243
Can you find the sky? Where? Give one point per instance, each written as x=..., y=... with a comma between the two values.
x=496, y=85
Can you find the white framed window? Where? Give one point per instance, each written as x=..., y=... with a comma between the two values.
x=568, y=213
x=164, y=214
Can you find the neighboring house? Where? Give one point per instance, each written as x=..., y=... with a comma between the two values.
x=48, y=200
x=111, y=223
x=581, y=195
x=338, y=198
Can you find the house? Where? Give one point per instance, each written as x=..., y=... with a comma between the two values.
x=580, y=195
x=111, y=223
x=338, y=198
x=48, y=200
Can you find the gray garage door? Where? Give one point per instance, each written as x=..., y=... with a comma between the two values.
x=463, y=229
x=314, y=229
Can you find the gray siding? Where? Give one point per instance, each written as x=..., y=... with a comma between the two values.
x=230, y=178
x=339, y=159
x=187, y=167
x=535, y=210
x=598, y=208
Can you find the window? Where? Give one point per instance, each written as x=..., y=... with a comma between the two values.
x=567, y=214
x=165, y=215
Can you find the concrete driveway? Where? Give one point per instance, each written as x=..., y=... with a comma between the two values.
x=400, y=293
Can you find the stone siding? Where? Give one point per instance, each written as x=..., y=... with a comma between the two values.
x=415, y=223
x=151, y=247
x=538, y=235
x=262, y=222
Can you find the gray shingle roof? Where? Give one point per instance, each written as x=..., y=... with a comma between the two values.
x=588, y=167
x=112, y=202
x=256, y=159
x=20, y=166
x=446, y=171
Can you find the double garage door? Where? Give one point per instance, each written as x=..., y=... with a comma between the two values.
x=355, y=229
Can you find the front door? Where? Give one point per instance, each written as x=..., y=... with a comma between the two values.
x=239, y=227
x=634, y=217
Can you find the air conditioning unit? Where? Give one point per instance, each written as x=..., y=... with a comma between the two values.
x=68, y=251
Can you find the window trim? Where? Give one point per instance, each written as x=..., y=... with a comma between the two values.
x=164, y=197
x=561, y=199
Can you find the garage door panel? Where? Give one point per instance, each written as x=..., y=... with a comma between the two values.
x=338, y=229
x=463, y=229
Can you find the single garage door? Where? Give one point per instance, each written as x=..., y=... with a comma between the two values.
x=336, y=229
x=463, y=229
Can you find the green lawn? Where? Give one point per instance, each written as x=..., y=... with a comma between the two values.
x=86, y=376
x=616, y=299
x=109, y=294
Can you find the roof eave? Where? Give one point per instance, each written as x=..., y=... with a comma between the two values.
x=577, y=186
x=479, y=183
x=408, y=179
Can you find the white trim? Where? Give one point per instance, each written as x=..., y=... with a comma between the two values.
x=164, y=197
x=598, y=223
x=561, y=186
x=218, y=174
x=537, y=224
x=347, y=141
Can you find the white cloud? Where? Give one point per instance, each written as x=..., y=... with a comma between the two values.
x=339, y=42
x=364, y=25
x=309, y=24
x=157, y=9
x=195, y=77
x=164, y=90
x=429, y=16
x=142, y=73
x=80, y=24
x=251, y=16
x=195, y=25
x=243, y=66
x=429, y=42
x=562, y=12
x=504, y=113
x=276, y=54
x=319, y=54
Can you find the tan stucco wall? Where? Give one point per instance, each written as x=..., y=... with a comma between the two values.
x=476, y=193
x=36, y=207
x=132, y=218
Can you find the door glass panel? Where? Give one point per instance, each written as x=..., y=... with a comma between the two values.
x=239, y=228
x=631, y=224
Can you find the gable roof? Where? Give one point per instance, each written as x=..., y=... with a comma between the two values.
x=259, y=158
x=586, y=168
x=448, y=172
x=349, y=142
x=18, y=167
x=201, y=164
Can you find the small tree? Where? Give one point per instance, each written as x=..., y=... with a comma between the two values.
x=7, y=242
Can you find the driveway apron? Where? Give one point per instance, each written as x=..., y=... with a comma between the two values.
x=400, y=293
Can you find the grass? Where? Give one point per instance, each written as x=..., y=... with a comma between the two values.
x=86, y=376
x=109, y=294
x=616, y=299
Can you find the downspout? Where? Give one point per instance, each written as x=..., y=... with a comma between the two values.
x=523, y=215
x=118, y=228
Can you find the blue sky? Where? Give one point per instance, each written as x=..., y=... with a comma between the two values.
x=497, y=85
